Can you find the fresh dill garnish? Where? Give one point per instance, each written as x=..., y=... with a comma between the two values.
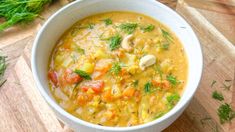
x=83, y=74
x=80, y=50
x=225, y=113
x=3, y=67
x=147, y=87
x=148, y=28
x=116, y=68
x=135, y=83
x=172, y=99
x=168, y=39
x=108, y=21
x=165, y=46
x=213, y=83
x=167, y=35
x=218, y=96
x=128, y=28
x=20, y=11
x=172, y=79
x=90, y=25
x=114, y=42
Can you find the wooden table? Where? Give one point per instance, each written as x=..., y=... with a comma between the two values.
x=23, y=109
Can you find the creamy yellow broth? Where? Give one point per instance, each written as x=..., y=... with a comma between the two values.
x=118, y=69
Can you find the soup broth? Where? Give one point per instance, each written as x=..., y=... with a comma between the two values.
x=118, y=69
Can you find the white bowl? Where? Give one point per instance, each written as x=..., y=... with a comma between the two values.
x=58, y=23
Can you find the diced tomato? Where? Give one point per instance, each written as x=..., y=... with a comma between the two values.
x=84, y=88
x=96, y=86
x=53, y=77
x=71, y=77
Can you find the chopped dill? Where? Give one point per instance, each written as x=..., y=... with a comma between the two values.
x=114, y=42
x=116, y=68
x=108, y=21
x=128, y=28
x=225, y=113
x=218, y=96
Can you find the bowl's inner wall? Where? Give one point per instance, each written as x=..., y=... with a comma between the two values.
x=61, y=21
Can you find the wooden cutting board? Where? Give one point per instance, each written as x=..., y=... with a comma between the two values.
x=23, y=109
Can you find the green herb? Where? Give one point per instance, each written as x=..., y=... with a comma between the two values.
x=128, y=28
x=148, y=28
x=172, y=79
x=168, y=39
x=83, y=74
x=226, y=86
x=135, y=83
x=80, y=50
x=147, y=87
x=116, y=68
x=3, y=67
x=114, y=42
x=107, y=21
x=165, y=46
x=90, y=25
x=218, y=96
x=213, y=83
x=167, y=35
x=225, y=113
x=173, y=99
x=20, y=11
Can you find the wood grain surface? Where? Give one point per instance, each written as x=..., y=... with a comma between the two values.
x=23, y=109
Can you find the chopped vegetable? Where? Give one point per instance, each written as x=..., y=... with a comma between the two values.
x=88, y=67
x=148, y=28
x=3, y=67
x=108, y=21
x=83, y=74
x=213, y=83
x=225, y=113
x=172, y=79
x=116, y=68
x=53, y=77
x=173, y=99
x=159, y=71
x=107, y=96
x=71, y=77
x=128, y=92
x=20, y=11
x=128, y=28
x=218, y=96
x=114, y=42
x=96, y=86
x=161, y=84
x=147, y=87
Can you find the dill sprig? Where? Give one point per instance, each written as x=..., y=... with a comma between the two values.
x=116, y=68
x=218, y=96
x=114, y=42
x=128, y=28
x=225, y=113
x=147, y=87
x=20, y=11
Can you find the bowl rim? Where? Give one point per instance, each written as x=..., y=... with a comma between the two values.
x=64, y=113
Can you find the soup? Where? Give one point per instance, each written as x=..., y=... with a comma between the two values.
x=118, y=69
